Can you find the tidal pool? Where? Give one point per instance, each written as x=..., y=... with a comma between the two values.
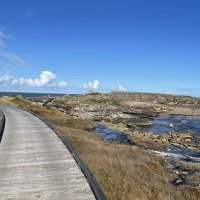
x=111, y=135
x=180, y=124
x=161, y=125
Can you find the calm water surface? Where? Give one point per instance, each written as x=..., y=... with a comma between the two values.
x=180, y=124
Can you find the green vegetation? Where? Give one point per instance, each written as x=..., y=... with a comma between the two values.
x=88, y=99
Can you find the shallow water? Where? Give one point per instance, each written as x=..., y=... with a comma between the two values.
x=111, y=135
x=183, y=153
x=180, y=124
x=161, y=125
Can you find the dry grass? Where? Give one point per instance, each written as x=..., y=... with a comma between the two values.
x=52, y=116
x=97, y=99
x=124, y=172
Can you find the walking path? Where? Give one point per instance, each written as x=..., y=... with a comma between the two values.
x=35, y=164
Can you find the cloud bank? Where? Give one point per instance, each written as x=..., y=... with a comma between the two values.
x=121, y=88
x=45, y=79
x=91, y=86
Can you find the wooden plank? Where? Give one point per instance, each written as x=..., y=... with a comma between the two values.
x=35, y=164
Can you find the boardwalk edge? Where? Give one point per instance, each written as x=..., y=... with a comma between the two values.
x=2, y=124
x=95, y=187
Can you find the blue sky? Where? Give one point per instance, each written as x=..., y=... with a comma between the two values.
x=73, y=46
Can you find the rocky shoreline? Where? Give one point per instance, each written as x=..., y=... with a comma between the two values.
x=132, y=112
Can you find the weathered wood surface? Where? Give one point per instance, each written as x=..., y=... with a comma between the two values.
x=35, y=164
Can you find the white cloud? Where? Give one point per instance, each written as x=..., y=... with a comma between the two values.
x=62, y=84
x=45, y=79
x=12, y=58
x=91, y=86
x=3, y=38
x=121, y=88
x=6, y=79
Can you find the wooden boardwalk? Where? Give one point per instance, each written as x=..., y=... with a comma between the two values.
x=35, y=164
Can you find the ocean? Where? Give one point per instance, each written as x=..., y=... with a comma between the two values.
x=29, y=94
